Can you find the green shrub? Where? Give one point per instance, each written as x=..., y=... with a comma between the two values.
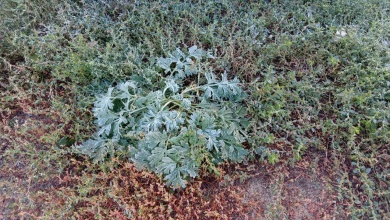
x=178, y=126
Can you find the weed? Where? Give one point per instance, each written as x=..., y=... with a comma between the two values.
x=316, y=74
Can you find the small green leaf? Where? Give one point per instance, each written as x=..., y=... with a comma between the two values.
x=273, y=158
x=65, y=142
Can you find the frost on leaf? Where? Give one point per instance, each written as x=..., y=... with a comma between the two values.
x=175, y=179
x=175, y=124
x=171, y=85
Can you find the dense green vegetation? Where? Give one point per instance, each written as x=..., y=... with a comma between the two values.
x=294, y=79
x=173, y=129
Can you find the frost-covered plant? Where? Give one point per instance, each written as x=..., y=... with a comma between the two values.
x=174, y=130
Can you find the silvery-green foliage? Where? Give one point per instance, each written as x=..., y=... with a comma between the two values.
x=181, y=65
x=172, y=130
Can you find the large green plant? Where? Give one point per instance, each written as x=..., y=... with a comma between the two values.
x=195, y=118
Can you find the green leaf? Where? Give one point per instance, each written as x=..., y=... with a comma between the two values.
x=175, y=180
x=273, y=158
x=170, y=129
x=191, y=167
x=65, y=142
x=171, y=85
x=166, y=166
x=156, y=156
x=104, y=102
x=186, y=104
x=153, y=140
x=165, y=63
x=195, y=52
x=211, y=137
x=140, y=158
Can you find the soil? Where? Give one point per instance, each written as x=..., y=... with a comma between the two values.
x=290, y=193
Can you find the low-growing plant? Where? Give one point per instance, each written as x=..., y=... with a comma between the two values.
x=318, y=92
x=190, y=119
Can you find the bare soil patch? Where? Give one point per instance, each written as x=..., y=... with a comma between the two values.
x=299, y=192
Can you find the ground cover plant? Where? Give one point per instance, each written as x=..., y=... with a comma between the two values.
x=173, y=129
x=304, y=86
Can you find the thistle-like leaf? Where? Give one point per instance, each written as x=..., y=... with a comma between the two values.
x=171, y=130
x=195, y=52
x=166, y=166
x=153, y=140
x=140, y=158
x=175, y=179
x=165, y=63
x=186, y=104
x=172, y=120
x=104, y=102
x=211, y=136
x=171, y=85
x=156, y=156
x=191, y=167
x=124, y=89
x=151, y=121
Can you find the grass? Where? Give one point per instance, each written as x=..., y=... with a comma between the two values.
x=318, y=75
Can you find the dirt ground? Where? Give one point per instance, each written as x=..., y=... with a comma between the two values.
x=299, y=191
x=291, y=193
